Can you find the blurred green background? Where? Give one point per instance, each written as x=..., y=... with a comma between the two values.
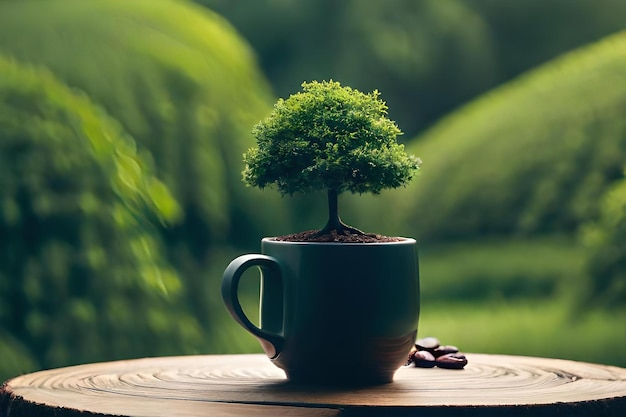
x=123, y=123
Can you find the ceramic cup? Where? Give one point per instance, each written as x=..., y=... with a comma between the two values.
x=332, y=313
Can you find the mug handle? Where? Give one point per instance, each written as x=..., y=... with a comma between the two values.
x=272, y=343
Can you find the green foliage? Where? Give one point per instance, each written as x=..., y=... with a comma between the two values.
x=530, y=158
x=186, y=87
x=426, y=56
x=178, y=78
x=501, y=269
x=82, y=275
x=605, y=240
x=81, y=272
x=519, y=49
x=328, y=137
x=527, y=327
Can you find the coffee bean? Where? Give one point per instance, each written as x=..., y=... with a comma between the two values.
x=428, y=352
x=451, y=361
x=444, y=350
x=427, y=343
x=423, y=359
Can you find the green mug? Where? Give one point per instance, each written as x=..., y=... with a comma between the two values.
x=332, y=313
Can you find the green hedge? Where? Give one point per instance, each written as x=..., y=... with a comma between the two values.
x=501, y=269
x=530, y=158
x=82, y=275
x=187, y=88
x=179, y=79
x=605, y=240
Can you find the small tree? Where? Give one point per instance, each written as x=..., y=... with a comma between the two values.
x=333, y=138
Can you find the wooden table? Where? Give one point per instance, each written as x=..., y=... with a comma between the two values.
x=235, y=385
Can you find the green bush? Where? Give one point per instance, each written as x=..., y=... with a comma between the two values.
x=186, y=87
x=605, y=239
x=182, y=83
x=82, y=275
x=530, y=158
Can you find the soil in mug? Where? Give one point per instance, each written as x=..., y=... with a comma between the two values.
x=333, y=236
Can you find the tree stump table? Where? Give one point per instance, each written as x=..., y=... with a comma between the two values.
x=249, y=385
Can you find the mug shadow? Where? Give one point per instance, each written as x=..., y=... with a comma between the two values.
x=287, y=386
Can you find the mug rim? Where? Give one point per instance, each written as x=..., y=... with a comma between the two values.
x=402, y=241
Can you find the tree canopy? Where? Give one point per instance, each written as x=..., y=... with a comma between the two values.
x=328, y=137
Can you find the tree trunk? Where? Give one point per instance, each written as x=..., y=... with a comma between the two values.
x=334, y=221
